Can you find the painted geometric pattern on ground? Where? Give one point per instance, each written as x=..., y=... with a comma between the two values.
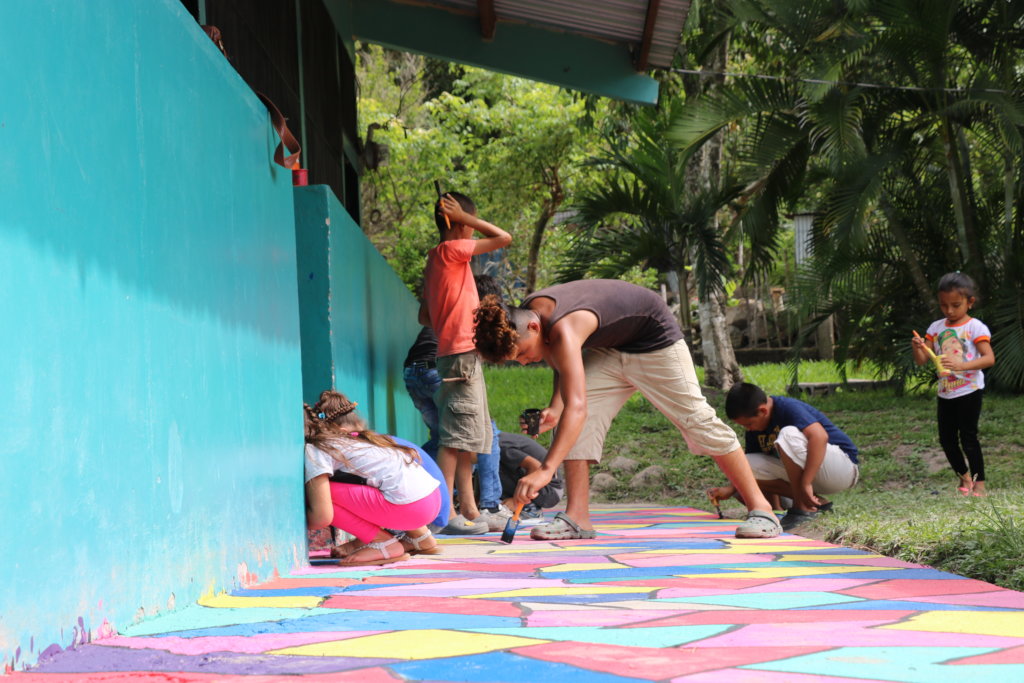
x=662, y=594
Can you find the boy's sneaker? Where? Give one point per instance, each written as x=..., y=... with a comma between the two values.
x=460, y=526
x=794, y=518
x=495, y=519
x=531, y=511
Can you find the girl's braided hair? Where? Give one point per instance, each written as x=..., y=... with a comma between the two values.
x=495, y=336
x=333, y=420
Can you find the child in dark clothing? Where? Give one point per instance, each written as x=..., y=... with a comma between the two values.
x=793, y=450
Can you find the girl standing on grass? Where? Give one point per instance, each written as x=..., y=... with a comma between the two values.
x=965, y=345
x=398, y=492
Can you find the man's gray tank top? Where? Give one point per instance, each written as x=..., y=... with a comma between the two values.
x=630, y=318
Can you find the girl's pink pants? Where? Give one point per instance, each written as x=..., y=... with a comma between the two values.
x=363, y=511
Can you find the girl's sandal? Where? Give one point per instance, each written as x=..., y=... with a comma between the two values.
x=415, y=546
x=382, y=548
x=346, y=549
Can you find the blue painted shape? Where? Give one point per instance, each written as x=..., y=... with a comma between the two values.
x=149, y=422
x=355, y=620
x=636, y=573
x=654, y=636
x=565, y=59
x=500, y=667
x=770, y=601
x=195, y=617
x=908, y=664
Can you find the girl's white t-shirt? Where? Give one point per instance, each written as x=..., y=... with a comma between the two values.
x=401, y=482
x=959, y=341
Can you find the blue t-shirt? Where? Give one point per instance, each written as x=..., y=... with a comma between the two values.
x=793, y=412
x=431, y=466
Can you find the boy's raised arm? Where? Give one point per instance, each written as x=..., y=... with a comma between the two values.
x=493, y=236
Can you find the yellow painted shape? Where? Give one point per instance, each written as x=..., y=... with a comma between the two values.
x=583, y=566
x=966, y=621
x=225, y=600
x=782, y=572
x=564, y=590
x=422, y=644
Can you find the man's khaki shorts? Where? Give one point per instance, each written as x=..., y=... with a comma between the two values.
x=667, y=379
x=465, y=422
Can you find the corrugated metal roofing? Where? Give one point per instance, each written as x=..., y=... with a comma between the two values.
x=618, y=21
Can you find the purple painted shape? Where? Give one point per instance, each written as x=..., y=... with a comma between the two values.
x=96, y=658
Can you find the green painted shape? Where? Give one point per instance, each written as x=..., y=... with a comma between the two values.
x=150, y=431
x=358, y=318
x=564, y=59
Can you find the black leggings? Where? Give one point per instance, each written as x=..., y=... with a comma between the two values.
x=958, y=425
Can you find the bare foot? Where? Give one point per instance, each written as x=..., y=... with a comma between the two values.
x=979, y=489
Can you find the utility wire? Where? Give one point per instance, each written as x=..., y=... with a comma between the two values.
x=818, y=81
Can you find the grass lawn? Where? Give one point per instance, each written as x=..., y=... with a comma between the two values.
x=906, y=503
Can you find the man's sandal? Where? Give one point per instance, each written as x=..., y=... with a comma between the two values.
x=382, y=548
x=414, y=546
x=561, y=529
x=759, y=525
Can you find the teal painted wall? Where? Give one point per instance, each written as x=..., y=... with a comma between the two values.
x=358, y=318
x=150, y=431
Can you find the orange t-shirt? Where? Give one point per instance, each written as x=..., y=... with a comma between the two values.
x=450, y=293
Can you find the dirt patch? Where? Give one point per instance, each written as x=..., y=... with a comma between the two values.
x=933, y=458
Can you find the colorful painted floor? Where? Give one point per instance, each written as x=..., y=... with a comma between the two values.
x=660, y=595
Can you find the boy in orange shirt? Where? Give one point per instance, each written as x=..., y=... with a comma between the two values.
x=450, y=297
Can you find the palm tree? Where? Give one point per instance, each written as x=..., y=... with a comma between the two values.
x=908, y=181
x=645, y=212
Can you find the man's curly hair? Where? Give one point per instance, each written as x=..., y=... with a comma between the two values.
x=495, y=337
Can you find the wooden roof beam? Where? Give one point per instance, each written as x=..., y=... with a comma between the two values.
x=644, y=49
x=488, y=19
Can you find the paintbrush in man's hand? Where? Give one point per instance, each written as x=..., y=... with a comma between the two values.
x=511, y=525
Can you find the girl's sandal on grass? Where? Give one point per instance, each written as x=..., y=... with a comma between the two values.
x=383, y=547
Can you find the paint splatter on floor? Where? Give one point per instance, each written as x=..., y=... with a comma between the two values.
x=662, y=594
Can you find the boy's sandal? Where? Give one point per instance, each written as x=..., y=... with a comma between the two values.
x=413, y=545
x=561, y=529
x=759, y=525
x=382, y=548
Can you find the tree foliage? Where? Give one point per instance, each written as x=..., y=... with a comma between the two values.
x=511, y=144
x=899, y=123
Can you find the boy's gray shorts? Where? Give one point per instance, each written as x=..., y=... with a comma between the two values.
x=465, y=421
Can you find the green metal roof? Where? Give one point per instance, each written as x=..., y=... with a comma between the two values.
x=598, y=46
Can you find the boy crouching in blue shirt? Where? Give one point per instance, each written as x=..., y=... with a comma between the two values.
x=793, y=450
